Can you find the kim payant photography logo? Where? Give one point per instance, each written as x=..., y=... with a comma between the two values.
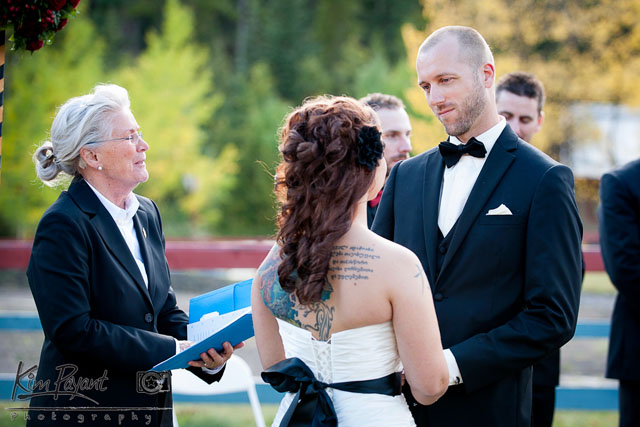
x=76, y=388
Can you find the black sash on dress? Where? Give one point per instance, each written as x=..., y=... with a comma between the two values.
x=312, y=406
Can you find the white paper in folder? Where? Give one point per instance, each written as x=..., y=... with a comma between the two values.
x=211, y=323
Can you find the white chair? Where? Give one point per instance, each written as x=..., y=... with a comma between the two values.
x=237, y=377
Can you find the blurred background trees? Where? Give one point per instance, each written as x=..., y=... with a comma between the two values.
x=210, y=83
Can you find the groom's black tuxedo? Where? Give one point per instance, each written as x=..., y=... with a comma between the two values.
x=505, y=287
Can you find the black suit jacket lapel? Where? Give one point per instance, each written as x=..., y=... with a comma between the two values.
x=492, y=172
x=434, y=169
x=141, y=225
x=108, y=230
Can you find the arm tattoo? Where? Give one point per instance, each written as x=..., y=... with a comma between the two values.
x=275, y=298
x=421, y=276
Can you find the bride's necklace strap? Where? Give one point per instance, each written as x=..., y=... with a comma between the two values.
x=312, y=404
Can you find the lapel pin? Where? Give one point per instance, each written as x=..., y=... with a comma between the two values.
x=144, y=233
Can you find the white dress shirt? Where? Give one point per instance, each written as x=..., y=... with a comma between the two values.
x=457, y=183
x=459, y=179
x=124, y=220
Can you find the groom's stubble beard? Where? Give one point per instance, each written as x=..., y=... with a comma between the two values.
x=470, y=109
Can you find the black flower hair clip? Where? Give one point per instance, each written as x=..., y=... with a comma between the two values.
x=370, y=147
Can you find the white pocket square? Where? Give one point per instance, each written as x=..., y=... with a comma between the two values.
x=500, y=210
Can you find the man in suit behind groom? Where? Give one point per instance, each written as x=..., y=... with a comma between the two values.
x=396, y=136
x=495, y=224
x=619, y=224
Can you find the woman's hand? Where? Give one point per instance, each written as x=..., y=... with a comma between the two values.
x=214, y=360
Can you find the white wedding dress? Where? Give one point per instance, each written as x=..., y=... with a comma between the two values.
x=364, y=353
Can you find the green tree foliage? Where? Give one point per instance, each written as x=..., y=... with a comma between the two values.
x=123, y=24
x=249, y=207
x=210, y=88
x=319, y=47
x=212, y=151
x=377, y=74
x=35, y=86
x=285, y=42
x=310, y=47
x=279, y=52
x=170, y=87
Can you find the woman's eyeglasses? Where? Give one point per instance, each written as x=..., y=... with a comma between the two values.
x=134, y=138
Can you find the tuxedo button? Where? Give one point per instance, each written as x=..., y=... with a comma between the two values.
x=148, y=317
x=443, y=249
x=438, y=296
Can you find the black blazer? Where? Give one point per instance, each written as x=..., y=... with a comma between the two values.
x=508, y=290
x=96, y=311
x=619, y=217
x=371, y=214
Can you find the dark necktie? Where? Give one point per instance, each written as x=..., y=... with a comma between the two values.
x=451, y=153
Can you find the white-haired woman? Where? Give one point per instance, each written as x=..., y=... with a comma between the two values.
x=99, y=275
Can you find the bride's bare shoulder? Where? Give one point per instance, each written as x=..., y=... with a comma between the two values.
x=394, y=251
x=396, y=263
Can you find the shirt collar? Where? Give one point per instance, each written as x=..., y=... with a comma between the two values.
x=488, y=138
x=119, y=215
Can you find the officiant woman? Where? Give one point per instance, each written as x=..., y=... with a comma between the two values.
x=99, y=276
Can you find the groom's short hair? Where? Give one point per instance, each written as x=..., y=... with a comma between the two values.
x=474, y=50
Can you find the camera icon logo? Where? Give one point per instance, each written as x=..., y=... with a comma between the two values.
x=153, y=382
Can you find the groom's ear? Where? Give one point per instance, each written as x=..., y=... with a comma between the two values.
x=488, y=75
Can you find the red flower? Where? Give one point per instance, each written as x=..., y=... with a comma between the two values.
x=30, y=28
x=35, y=21
x=57, y=4
x=62, y=24
x=34, y=45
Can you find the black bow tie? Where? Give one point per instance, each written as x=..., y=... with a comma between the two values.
x=451, y=153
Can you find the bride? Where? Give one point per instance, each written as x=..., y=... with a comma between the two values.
x=338, y=311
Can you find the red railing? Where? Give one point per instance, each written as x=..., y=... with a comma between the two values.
x=182, y=255
x=205, y=255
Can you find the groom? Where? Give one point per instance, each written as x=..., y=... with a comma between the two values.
x=495, y=224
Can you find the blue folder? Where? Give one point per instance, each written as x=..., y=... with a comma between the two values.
x=224, y=300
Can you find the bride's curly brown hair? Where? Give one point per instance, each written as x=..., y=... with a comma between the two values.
x=318, y=184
